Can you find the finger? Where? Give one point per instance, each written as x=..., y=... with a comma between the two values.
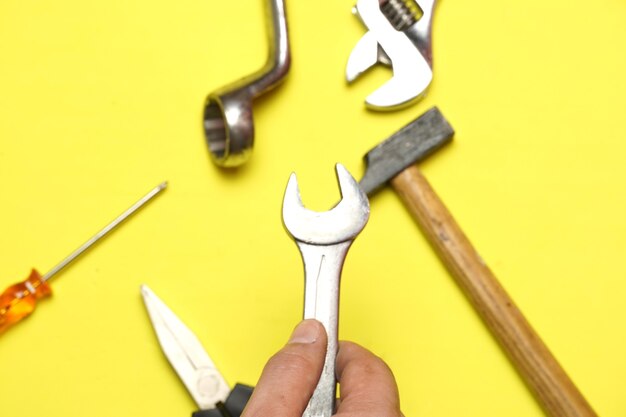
x=290, y=376
x=368, y=387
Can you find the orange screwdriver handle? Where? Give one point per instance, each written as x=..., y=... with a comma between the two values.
x=19, y=300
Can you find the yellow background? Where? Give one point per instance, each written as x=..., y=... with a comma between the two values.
x=101, y=101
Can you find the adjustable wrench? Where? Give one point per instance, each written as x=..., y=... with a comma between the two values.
x=398, y=37
x=324, y=239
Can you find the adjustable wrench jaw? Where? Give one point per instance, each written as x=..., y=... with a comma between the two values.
x=407, y=50
x=323, y=240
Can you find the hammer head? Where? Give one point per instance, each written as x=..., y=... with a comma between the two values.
x=411, y=144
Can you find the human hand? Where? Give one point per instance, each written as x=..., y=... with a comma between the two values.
x=368, y=388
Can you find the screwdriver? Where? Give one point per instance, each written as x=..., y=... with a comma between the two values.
x=19, y=300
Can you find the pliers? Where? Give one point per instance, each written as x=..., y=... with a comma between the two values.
x=193, y=364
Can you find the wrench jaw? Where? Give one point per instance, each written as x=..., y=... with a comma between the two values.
x=363, y=57
x=342, y=223
x=402, y=90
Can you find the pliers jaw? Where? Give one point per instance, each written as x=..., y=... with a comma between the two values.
x=193, y=364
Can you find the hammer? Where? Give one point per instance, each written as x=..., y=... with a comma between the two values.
x=394, y=161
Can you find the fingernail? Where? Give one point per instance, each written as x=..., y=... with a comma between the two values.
x=306, y=332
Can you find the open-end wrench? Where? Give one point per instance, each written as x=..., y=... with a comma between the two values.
x=324, y=239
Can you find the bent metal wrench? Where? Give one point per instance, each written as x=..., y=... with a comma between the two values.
x=228, y=122
x=324, y=239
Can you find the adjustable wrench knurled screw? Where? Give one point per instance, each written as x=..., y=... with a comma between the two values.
x=324, y=239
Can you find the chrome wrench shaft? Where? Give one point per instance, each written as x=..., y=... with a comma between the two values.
x=322, y=265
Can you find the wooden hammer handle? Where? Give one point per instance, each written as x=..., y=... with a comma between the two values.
x=547, y=380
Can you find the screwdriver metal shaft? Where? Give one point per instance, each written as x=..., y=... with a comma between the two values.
x=108, y=228
x=19, y=300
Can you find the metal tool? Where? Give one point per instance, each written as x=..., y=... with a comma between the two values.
x=192, y=364
x=398, y=37
x=19, y=300
x=393, y=161
x=324, y=240
x=228, y=122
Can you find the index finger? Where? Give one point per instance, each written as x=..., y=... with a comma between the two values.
x=367, y=385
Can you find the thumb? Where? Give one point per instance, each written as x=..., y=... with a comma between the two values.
x=290, y=376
